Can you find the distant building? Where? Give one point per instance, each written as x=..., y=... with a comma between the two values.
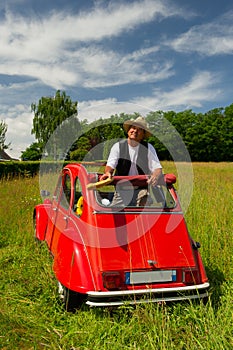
x=4, y=156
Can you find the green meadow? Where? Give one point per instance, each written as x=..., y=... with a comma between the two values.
x=32, y=317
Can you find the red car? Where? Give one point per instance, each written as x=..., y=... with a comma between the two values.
x=106, y=255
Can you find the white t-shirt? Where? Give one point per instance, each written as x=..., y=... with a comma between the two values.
x=153, y=159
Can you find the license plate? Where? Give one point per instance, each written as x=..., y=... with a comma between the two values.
x=150, y=276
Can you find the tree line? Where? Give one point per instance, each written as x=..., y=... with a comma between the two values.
x=60, y=134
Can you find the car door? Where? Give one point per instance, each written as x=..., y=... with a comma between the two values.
x=61, y=209
x=52, y=214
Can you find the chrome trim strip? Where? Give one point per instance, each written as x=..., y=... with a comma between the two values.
x=149, y=298
x=148, y=291
x=137, y=212
x=152, y=300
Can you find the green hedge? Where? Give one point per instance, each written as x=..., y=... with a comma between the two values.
x=12, y=169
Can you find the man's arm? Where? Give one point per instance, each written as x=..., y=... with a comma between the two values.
x=112, y=162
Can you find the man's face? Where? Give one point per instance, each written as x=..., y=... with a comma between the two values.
x=136, y=134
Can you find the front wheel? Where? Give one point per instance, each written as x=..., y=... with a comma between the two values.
x=70, y=299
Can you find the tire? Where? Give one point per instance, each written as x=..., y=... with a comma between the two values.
x=71, y=300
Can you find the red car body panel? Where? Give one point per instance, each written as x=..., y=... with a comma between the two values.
x=139, y=250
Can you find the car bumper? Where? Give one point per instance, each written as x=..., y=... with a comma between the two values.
x=154, y=295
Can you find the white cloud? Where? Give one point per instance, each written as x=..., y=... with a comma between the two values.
x=112, y=20
x=209, y=39
x=56, y=76
x=50, y=48
x=94, y=67
x=19, y=124
x=43, y=39
x=201, y=88
x=107, y=68
x=95, y=109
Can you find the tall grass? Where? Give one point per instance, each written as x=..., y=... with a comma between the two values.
x=31, y=316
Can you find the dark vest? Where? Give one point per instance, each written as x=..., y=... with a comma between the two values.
x=124, y=162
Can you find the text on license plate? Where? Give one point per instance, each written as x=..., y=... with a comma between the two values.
x=150, y=276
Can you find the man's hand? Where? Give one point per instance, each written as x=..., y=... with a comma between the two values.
x=105, y=176
x=108, y=173
x=155, y=176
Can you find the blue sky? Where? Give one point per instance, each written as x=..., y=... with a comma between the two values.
x=112, y=57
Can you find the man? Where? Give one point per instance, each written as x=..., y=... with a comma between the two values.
x=133, y=156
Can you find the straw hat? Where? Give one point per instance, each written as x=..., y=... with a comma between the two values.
x=140, y=122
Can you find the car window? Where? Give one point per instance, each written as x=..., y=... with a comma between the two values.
x=58, y=188
x=66, y=191
x=78, y=198
x=161, y=197
x=158, y=197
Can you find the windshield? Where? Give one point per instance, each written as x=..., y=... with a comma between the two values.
x=125, y=194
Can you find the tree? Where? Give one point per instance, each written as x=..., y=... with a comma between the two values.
x=3, y=131
x=49, y=114
x=33, y=152
x=82, y=146
x=96, y=139
x=227, y=132
x=163, y=137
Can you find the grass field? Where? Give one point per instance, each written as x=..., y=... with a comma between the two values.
x=31, y=316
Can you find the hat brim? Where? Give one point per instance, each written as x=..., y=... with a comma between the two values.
x=128, y=123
